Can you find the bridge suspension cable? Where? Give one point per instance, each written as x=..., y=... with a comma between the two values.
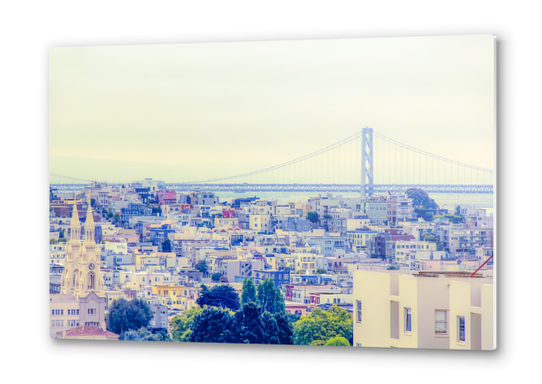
x=421, y=152
x=69, y=178
x=302, y=158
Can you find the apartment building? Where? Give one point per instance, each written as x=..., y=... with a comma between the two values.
x=431, y=310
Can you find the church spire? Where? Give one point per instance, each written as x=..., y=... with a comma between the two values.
x=89, y=223
x=90, y=216
x=75, y=224
x=75, y=215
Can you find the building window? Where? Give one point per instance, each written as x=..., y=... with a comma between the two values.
x=441, y=324
x=358, y=311
x=460, y=328
x=408, y=320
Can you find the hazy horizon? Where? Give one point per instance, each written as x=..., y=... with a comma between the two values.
x=182, y=112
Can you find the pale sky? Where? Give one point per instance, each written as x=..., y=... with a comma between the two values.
x=189, y=112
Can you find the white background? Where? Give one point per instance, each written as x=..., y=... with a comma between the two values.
x=29, y=29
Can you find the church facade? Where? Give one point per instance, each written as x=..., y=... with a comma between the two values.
x=81, y=301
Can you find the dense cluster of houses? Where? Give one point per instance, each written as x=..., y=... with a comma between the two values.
x=161, y=245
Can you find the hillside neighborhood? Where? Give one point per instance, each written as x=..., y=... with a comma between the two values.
x=142, y=262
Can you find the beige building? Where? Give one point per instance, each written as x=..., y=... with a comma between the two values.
x=300, y=209
x=226, y=222
x=82, y=300
x=431, y=310
x=260, y=223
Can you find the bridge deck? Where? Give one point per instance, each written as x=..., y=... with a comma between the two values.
x=332, y=188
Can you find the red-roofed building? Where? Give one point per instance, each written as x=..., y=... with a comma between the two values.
x=87, y=332
x=402, y=238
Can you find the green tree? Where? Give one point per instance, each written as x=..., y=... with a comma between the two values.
x=249, y=322
x=266, y=295
x=279, y=306
x=214, y=325
x=127, y=315
x=52, y=241
x=166, y=245
x=181, y=324
x=271, y=328
x=338, y=341
x=420, y=199
x=321, y=271
x=285, y=326
x=318, y=342
x=216, y=277
x=223, y=296
x=426, y=236
x=313, y=217
x=454, y=219
x=202, y=267
x=248, y=294
x=143, y=334
x=323, y=325
x=61, y=233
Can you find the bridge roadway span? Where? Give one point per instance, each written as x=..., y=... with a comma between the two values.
x=332, y=188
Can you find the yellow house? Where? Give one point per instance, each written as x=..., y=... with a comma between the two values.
x=260, y=223
x=226, y=222
x=431, y=310
x=306, y=262
x=176, y=297
x=165, y=290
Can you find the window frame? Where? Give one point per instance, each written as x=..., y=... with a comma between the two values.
x=407, y=320
x=459, y=318
x=445, y=322
x=359, y=313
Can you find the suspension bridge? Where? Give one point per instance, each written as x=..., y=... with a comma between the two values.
x=366, y=163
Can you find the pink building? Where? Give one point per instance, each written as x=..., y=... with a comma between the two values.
x=228, y=213
x=298, y=309
x=166, y=197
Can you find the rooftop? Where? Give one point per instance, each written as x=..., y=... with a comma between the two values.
x=86, y=330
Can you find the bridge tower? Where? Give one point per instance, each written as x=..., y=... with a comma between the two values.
x=366, y=162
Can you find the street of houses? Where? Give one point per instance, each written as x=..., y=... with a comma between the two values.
x=405, y=274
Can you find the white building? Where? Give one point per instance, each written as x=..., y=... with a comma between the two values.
x=439, y=310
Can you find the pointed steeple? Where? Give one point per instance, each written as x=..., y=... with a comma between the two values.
x=90, y=216
x=75, y=215
x=89, y=224
x=75, y=226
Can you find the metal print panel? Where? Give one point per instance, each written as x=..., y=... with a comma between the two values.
x=318, y=192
